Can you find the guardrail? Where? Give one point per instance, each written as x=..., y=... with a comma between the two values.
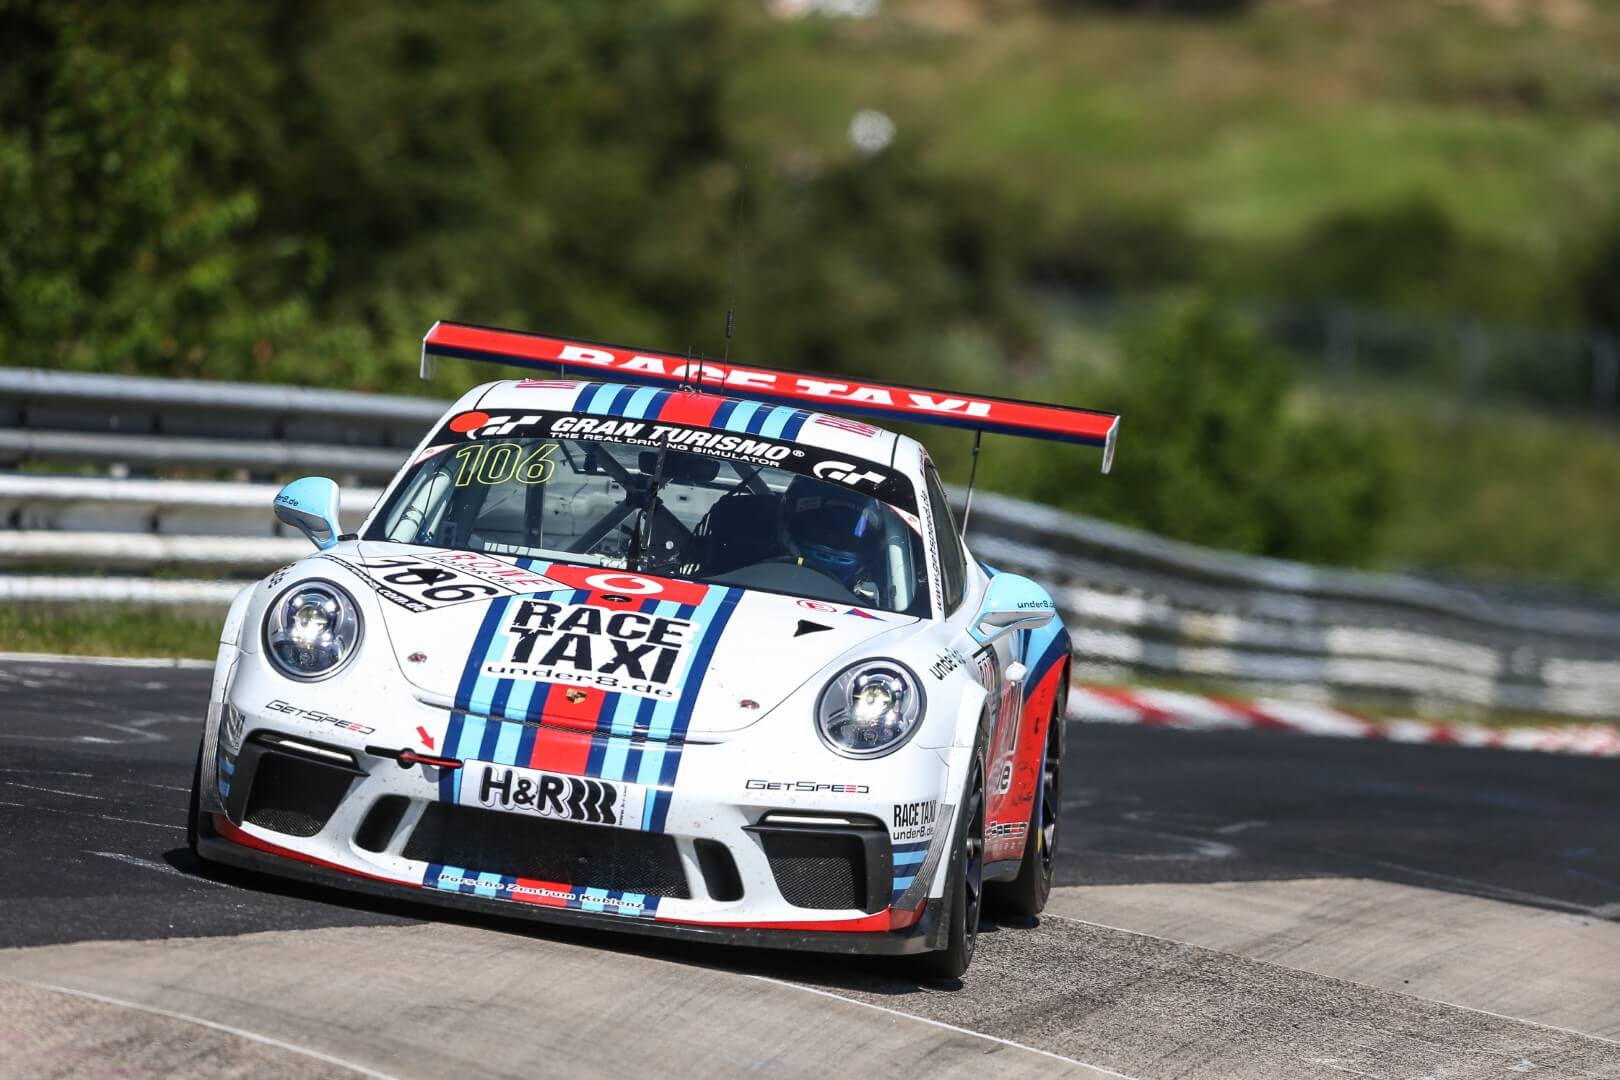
x=1138, y=604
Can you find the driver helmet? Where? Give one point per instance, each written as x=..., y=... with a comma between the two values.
x=839, y=533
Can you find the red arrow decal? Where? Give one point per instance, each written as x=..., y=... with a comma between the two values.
x=427, y=740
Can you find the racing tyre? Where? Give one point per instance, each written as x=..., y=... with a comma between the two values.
x=194, y=823
x=964, y=887
x=1026, y=894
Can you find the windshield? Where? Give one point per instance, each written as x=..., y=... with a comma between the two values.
x=721, y=507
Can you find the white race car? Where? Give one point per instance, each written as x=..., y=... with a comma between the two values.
x=670, y=653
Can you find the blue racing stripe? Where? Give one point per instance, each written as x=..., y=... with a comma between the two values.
x=740, y=415
x=636, y=407
x=692, y=685
x=790, y=430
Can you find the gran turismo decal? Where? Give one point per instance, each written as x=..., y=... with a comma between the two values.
x=626, y=651
x=549, y=795
x=913, y=820
x=481, y=460
x=316, y=716
x=807, y=787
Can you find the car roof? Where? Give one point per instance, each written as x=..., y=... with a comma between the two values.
x=784, y=422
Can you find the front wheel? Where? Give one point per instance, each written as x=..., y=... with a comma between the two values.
x=964, y=886
x=1026, y=894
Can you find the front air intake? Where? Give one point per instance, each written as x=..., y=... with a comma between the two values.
x=564, y=852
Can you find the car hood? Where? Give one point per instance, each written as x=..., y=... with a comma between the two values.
x=594, y=647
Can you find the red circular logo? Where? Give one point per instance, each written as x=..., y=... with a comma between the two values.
x=817, y=605
x=467, y=421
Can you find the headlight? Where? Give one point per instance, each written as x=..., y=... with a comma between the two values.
x=312, y=630
x=869, y=709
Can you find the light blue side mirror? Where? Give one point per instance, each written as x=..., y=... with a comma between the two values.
x=1011, y=603
x=310, y=505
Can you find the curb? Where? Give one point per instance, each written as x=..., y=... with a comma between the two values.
x=1193, y=712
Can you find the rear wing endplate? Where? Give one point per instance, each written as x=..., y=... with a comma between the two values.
x=776, y=386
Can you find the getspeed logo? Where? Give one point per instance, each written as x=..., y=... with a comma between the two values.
x=625, y=651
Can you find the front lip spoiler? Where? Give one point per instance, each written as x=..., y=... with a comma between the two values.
x=264, y=857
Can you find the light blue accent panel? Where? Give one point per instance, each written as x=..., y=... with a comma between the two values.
x=643, y=397
x=483, y=693
x=592, y=900
x=901, y=857
x=738, y=420
x=506, y=744
x=663, y=718
x=487, y=885
x=599, y=400
x=310, y=505
x=901, y=884
x=772, y=428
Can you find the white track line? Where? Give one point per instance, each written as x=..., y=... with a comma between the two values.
x=160, y=867
x=267, y=1040
x=939, y=1024
x=1334, y=978
x=108, y=661
x=98, y=817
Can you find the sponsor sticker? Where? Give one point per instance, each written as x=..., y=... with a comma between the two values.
x=947, y=662
x=1005, y=830
x=316, y=716
x=625, y=651
x=913, y=820
x=620, y=905
x=551, y=795
x=436, y=580
x=808, y=787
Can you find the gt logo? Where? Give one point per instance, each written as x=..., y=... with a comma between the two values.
x=844, y=473
x=480, y=424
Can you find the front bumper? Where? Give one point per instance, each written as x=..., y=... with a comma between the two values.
x=220, y=841
x=730, y=795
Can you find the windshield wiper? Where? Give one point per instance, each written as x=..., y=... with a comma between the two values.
x=641, y=538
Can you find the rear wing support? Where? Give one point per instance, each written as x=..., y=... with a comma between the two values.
x=891, y=402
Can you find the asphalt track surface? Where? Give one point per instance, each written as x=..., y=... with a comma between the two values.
x=1234, y=904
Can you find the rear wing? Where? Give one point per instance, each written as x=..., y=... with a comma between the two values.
x=776, y=386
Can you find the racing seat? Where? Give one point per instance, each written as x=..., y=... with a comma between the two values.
x=739, y=530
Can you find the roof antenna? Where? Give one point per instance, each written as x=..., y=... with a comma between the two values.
x=736, y=261
x=973, y=475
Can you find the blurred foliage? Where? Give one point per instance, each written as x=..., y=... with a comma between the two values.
x=1211, y=451
x=293, y=192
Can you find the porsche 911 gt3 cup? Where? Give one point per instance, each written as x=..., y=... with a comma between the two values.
x=662, y=647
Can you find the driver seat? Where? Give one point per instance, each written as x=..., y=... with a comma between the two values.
x=739, y=530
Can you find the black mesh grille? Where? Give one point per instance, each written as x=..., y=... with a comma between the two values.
x=597, y=856
x=294, y=796
x=818, y=870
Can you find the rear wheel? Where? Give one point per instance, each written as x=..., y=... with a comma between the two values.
x=1026, y=894
x=964, y=887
